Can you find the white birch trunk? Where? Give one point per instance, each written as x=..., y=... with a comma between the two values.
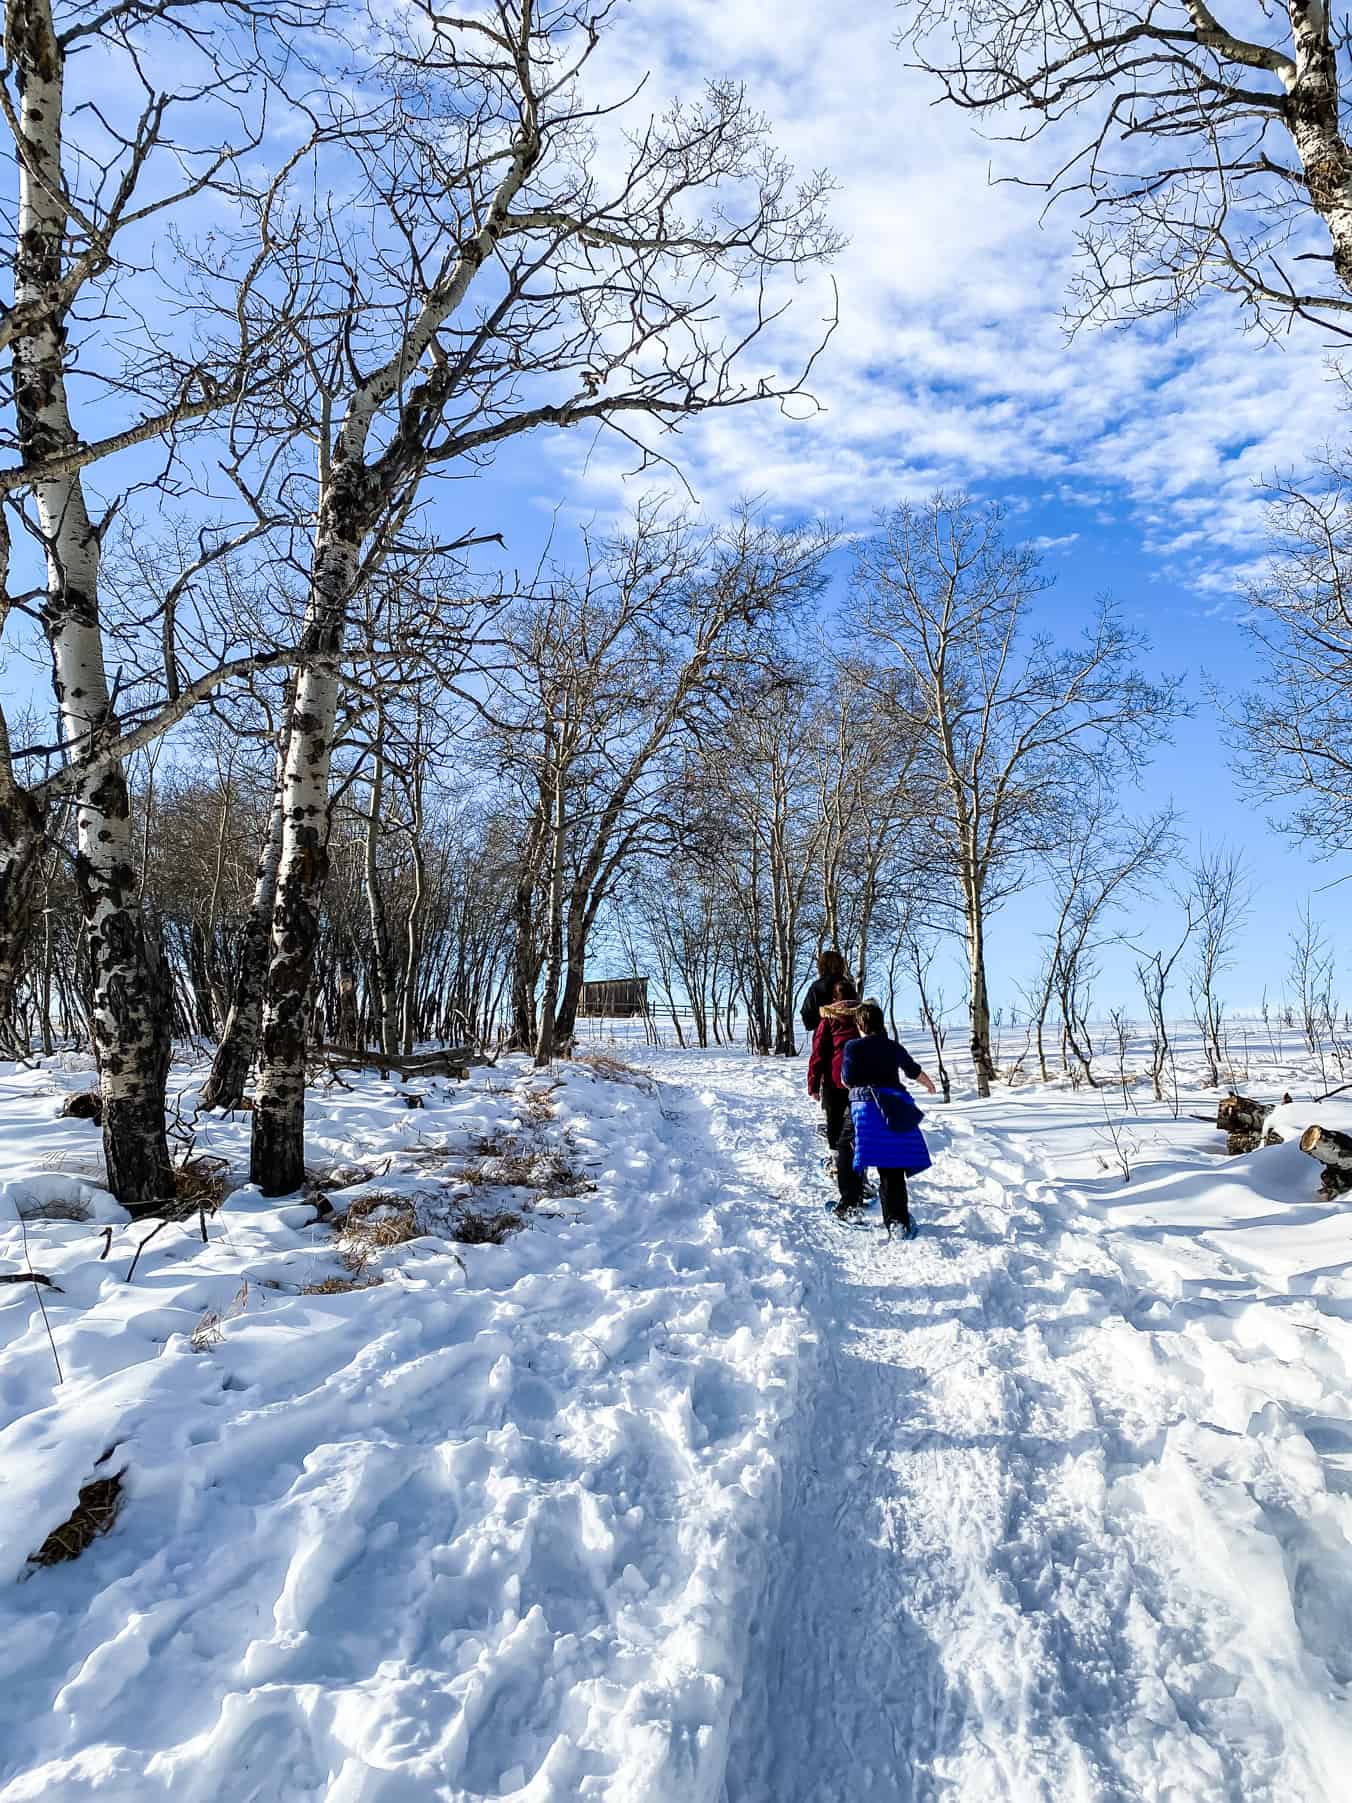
x=234, y=1059
x=375, y=906
x=130, y=1017
x=549, y=1000
x=1313, y=119
x=277, y=1159
x=980, y=1007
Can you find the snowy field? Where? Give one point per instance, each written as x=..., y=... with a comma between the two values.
x=683, y=1490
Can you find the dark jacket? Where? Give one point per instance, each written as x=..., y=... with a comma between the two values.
x=872, y=1065
x=837, y=1029
x=818, y=995
x=879, y=1060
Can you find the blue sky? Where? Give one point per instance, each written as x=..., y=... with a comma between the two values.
x=1136, y=457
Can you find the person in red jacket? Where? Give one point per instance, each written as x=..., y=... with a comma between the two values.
x=836, y=1028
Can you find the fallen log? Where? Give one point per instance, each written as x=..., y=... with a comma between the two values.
x=1242, y=1120
x=1241, y=1114
x=454, y=1061
x=1334, y=1151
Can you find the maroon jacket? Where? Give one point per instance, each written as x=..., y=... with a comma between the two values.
x=835, y=1030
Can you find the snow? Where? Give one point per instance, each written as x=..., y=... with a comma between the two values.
x=684, y=1490
x=491, y=1528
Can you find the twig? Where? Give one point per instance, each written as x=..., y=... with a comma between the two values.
x=1333, y=1092
x=141, y=1248
x=37, y=1291
x=31, y=1277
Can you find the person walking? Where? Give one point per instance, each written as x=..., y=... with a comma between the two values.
x=835, y=1031
x=830, y=969
x=885, y=1118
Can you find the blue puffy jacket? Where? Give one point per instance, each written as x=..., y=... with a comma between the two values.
x=870, y=1064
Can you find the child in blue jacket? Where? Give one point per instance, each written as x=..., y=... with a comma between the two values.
x=886, y=1121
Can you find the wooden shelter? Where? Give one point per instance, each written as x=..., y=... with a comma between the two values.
x=615, y=998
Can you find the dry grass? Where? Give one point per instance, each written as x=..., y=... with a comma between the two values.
x=478, y=1227
x=538, y=1105
x=342, y=1286
x=515, y=1167
x=201, y=1184
x=69, y=1209
x=510, y=1168
x=210, y=1330
x=93, y=1515
x=379, y=1221
x=373, y=1224
x=615, y=1070
x=555, y=1176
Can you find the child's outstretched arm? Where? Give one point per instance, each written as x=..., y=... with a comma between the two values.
x=912, y=1070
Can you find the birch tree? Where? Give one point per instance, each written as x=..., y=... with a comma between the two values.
x=78, y=204
x=1203, y=148
x=1016, y=725
x=512, y=280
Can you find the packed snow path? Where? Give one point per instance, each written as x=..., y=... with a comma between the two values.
x=1040, y=1539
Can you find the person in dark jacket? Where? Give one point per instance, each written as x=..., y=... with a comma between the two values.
x=836, y=1028
x=885, y=1119
x=830, y=969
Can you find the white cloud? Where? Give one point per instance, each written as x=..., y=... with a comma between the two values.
x=1058, y=541
x=950, y=364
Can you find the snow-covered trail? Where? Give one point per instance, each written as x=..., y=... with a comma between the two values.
x=1036, y=1541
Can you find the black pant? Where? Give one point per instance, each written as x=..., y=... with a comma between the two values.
x=840, y=1138
x=836, y=1102
x=892, y=1194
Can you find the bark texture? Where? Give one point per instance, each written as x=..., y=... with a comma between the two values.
x=1334, y=1152
x=1312, y=112
x=129, y=1019
x=234, y=1059
x=20, y=867
x=277, y=1159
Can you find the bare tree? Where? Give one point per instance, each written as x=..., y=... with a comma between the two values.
x=1311, y=968
x=234, y=1056
x=1293, y=733
x=1154, y=973
x=507, y=280
x=1016, y=725
x=920, y=952
x=873, y=787
x=617, y=674
x=139, y=155
x=1212, y=155
x=1220, y=897
x=1102, y=862
x=763, y=846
